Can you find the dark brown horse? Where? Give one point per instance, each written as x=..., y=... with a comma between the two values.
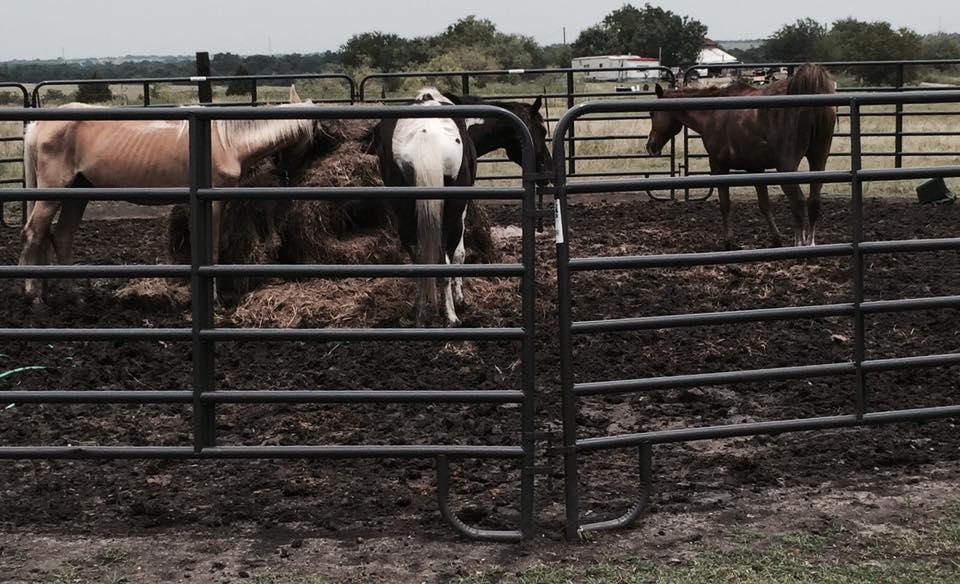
x=755, y=140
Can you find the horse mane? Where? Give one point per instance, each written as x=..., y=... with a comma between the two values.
x=246, y=134
x=811, y=79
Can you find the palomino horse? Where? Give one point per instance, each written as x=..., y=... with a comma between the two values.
x=429, y=152
x=107, y=154
x=757, y=139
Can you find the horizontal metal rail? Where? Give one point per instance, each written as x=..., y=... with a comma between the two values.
x=762, y=255
x=720, y=378
x=345, y=334
x=275, y=452
x=772, y=427
x=362, y=271
x=320, y=396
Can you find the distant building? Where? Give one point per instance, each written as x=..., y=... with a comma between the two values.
x=712, y=54
x=605, y=68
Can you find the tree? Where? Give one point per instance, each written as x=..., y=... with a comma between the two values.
x=382, y=51
x=795, y=42
x=470, y=31
x=93, y=92
x=855, y=40
x=647, y=32
x=240, y=86
x=941, y=46
x=558, y=55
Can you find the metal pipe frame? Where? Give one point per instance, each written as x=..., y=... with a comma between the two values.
x=194, y=80
x=857, y=368
x=203, y=335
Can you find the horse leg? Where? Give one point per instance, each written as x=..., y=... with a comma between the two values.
x=459, y=255
x=64, y=232
x=66, y=229
x=797, y=207
x=38, y=244
x=724, y=194
x=216, y=217
x=763, y=200
x=454, y=213
x=818, y=161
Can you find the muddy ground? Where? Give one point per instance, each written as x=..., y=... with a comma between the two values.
x=231, y=519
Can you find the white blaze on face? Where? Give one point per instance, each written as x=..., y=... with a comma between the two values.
x=470, y=122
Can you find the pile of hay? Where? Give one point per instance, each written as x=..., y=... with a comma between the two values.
x=327, y=232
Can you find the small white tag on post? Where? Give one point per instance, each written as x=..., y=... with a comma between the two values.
x=558, y=221
x=197, y=79
x=516, y=71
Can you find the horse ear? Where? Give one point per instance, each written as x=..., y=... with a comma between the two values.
x=294, y=96
x=537, y=103
x=658, y=90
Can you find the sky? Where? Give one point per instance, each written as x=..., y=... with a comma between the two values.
x=46, y=29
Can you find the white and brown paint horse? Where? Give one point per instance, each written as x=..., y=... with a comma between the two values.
x=119, y=154
x=431, y=152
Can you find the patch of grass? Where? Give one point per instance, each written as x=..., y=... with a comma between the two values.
x=928, y=552
x=773, y=566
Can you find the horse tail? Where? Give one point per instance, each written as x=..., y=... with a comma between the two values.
x=428, y=172
x=30, y=161
x=819, y=121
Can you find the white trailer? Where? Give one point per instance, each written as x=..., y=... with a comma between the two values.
x=604, y=68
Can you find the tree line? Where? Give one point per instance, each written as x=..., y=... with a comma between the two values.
x=473, y=43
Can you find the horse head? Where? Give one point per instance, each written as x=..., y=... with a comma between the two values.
x=291, y=160
x=503, y=136
x=664, y=125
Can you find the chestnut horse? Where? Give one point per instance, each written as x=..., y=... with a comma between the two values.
x=110, y=154
x=758, y=139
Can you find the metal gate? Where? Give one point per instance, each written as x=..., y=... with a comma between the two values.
x=204, y=334
x=857, y=368
x=11, y=159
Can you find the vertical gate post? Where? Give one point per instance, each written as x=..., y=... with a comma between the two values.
x=898, y=110
x=201, y=287
x=856, y=187
x=146, y=94
x=528, y=364
x=204, y=90
x=464, y=84
x=568, y=399
x=572, y=148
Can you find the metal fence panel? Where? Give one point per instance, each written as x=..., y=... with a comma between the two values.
x=203, y=334
x=856, y=308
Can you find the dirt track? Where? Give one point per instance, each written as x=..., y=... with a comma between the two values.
x=342, y=501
